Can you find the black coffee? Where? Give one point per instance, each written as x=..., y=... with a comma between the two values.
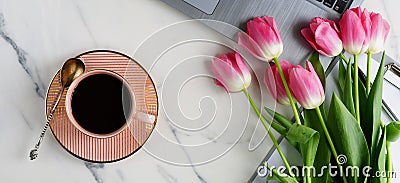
x=101, y=104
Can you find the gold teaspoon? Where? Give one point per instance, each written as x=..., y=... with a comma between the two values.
x=71, y=70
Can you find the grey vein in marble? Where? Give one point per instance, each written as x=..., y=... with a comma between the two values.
x=187, y=155
x=94, y=168
x=80, y=13
x=26, y=120
x=120, y=174
x=167, y=176
x=23, y=61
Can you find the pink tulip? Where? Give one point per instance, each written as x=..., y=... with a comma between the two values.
x=379, y=31
x=306, y=86
x=273, y=81
x=262, y=39
x=323, y=36
x=355, y=27
x=231, y=72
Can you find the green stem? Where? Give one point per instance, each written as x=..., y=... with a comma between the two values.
x=356, y=94
x=368, y=84
x=294, y=107
x=278, y=148
x=344, y=58
x=329, y=139
x=389, y=166
x=275, y=172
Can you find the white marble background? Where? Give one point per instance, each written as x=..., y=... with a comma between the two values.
x=36, y=36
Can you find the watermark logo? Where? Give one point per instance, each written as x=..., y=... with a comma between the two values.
x=332, y=170
x=342, y=159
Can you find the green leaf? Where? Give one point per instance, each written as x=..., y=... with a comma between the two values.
x=279, y=118
x=323, y=154
x=309, y=151
x=393, y=131
x=380, y=159
x=316, y=63
x=348, y=91
x=347, y=136
x=301, y=134
x=279, y=128
x=282, y=177
x=342, y=75
x=373, y=111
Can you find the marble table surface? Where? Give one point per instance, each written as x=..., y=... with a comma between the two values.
x=37, y=36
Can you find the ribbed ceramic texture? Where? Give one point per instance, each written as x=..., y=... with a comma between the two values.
x=127, y=141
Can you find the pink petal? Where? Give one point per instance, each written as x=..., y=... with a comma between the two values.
x=328, y=40
x=320, y=20
x=225, y=69
x=286, y=67
x=259, y=20
x=297, y=85
x=313, y=27
x=351, y=32
x=262, y=31
x=305, y=86
x=274, y=84
x=379, y=31
x=218, y=78
x=377, y=28
x=269, y=35
x=245, y=41
x=227, y=75
x=310, y=68
x=356, y=10
x=271, y=22
x=386, y=28
x=251, y=27
x=317, y=20
x=333, y=25
x=242, y=67
x=309, y=36
x=269, y=81
x=366, y=21
x=259, y=35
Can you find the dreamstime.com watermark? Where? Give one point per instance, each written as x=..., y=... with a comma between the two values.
x=332, y=170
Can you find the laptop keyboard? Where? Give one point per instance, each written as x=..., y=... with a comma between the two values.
x=337, y=5
x=208, y=6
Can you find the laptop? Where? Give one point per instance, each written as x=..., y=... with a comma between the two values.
x=291, y=16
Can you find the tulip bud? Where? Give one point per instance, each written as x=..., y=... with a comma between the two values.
x=231, y=72
x=379, y=31
x=305, y=86
x=323, y=36
x=355, y=27
x=262, y=39
x=273, y=81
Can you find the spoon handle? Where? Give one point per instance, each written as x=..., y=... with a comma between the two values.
x=34, y=152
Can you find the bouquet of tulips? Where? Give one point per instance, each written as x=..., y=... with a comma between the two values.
x=351, y=128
